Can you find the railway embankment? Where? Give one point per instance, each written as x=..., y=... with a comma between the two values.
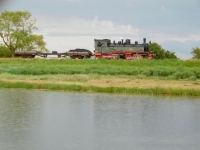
x=153, y=77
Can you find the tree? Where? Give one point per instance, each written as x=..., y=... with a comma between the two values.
x=157, y=50
x=4, y=51
x=169, y=54
x=196, y=53
x=16, y=32
x=161, y=53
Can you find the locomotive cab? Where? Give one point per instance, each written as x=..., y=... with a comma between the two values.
x=100, y=45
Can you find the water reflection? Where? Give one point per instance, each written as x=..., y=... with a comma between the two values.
x=147, y=122
x=57, y=120
x=19, y=112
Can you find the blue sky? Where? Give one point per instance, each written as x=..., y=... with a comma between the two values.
x=70, y=24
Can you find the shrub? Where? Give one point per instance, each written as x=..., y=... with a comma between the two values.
x=184, y=74
x=147, y=72
x=5, y=52
x=192, y=78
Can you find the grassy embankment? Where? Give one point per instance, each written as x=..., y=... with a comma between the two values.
x=155, y=77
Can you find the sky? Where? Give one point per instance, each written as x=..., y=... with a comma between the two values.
x=70, y=24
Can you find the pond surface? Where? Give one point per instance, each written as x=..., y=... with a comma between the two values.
x=43, y=120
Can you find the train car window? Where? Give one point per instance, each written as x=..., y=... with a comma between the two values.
x=99, y=44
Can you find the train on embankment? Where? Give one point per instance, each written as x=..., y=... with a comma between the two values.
x=104, y=48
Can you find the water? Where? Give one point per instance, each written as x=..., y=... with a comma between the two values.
x=39, y=120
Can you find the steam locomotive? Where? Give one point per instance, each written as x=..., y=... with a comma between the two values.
x=103, y=49
x=122, y=49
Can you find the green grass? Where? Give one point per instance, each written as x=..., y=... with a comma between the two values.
x=169, y=68
x=89, y=89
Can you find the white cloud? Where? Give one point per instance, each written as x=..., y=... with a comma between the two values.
x=73, y=25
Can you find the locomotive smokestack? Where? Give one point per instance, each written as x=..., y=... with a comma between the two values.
x=122, y=41
x=144, y=40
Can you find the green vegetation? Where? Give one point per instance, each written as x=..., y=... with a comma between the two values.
x=4, y=52
x=196, y=53
x=167, y=68
x=161, y=53
x=84, y=75
x=16, y=32
x=122, y=90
